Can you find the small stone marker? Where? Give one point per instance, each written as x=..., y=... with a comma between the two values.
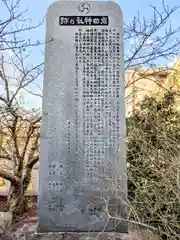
x=82, y=154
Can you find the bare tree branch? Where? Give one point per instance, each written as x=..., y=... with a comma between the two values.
x=4, y=78
x=24, y=83
x=3, y=99
x=149, y=45
x=30, y=132
x=5, y=156
x=14, y=137
x=15, y=24
x=6, y=175
x=32, y=162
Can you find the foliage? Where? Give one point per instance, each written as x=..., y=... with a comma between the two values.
x=153, y=158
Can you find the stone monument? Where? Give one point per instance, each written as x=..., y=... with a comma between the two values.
x=82, y=147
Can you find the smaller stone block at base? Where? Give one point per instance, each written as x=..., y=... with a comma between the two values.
x=74, y=236
x=137, y=234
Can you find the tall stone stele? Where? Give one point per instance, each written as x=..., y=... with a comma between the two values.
x=82, y=147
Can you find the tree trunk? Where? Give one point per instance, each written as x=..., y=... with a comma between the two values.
x=16, y=197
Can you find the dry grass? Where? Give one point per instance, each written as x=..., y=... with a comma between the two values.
x=154, y=165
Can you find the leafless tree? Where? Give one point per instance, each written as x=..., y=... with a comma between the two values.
x=15, y=23
x=152, y=40
x=19, y=127
x=149, y=44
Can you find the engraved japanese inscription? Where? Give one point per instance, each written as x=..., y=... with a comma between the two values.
x=98, y=55
x=82, y=150
x=84, y=20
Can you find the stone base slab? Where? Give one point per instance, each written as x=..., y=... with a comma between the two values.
x=74, y=236
x=135, y=235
